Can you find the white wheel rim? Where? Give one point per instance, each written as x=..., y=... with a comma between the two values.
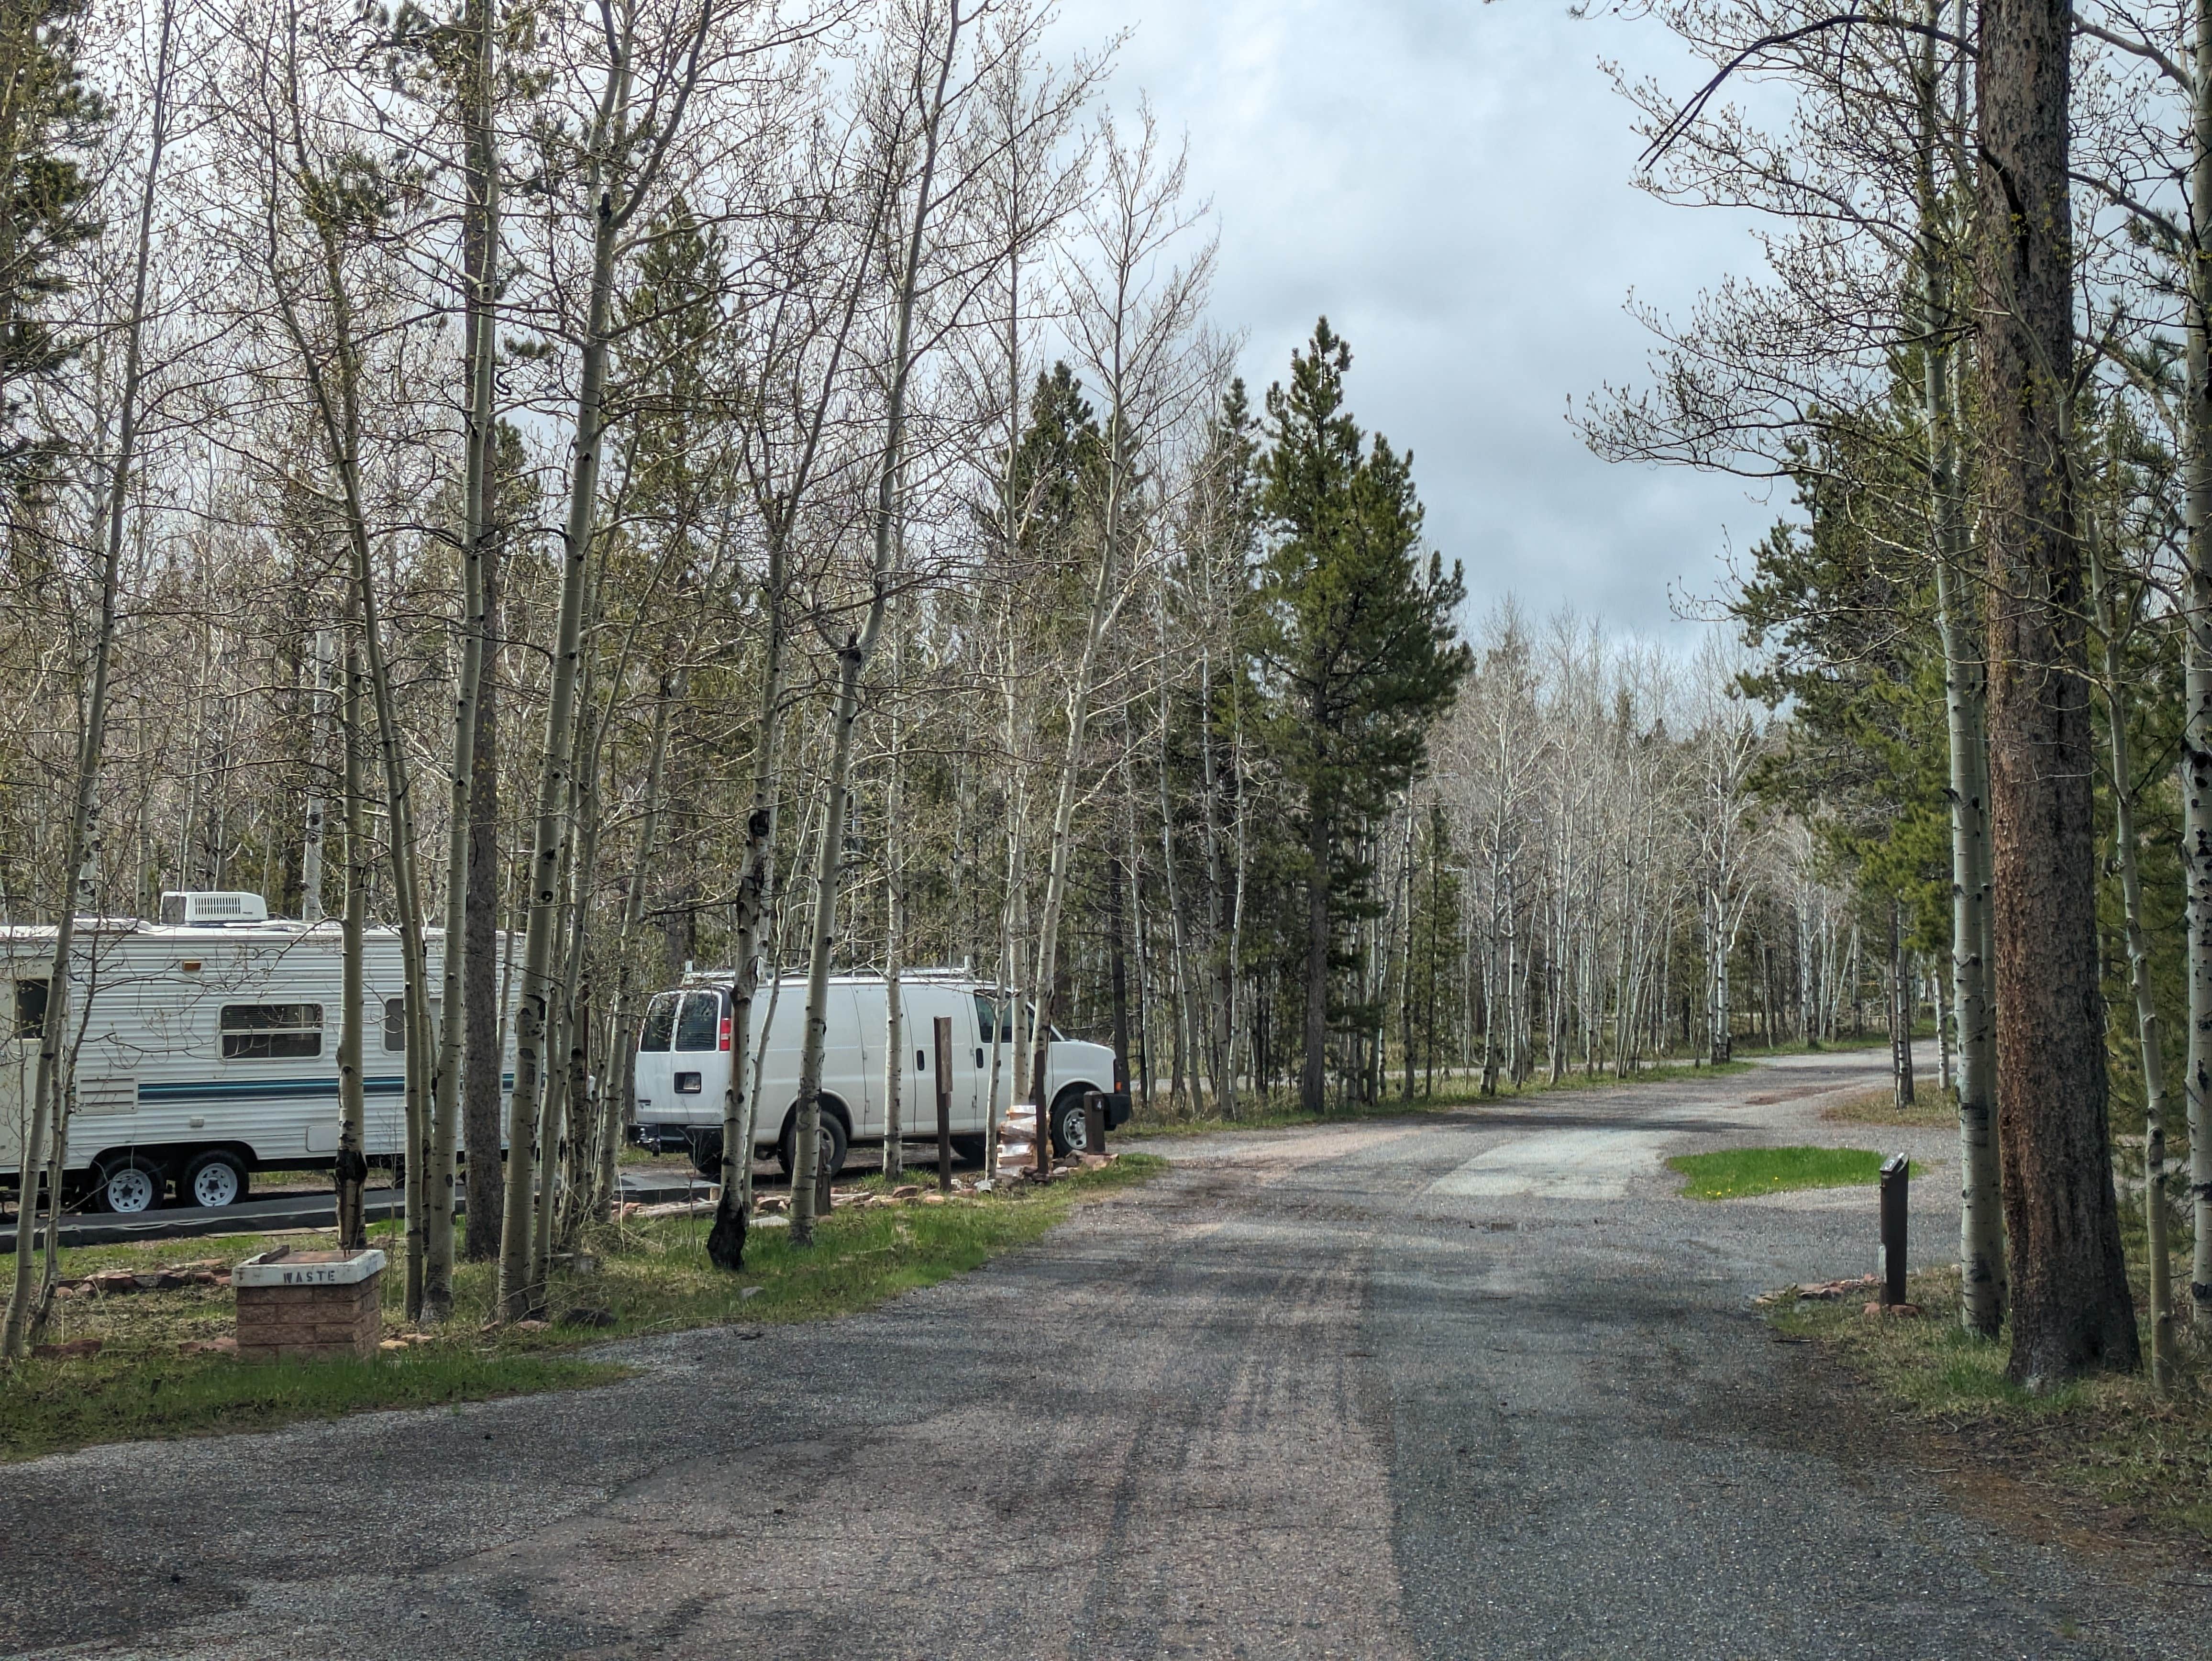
x=130, y=1190
x=1075, y=1132
x=215, y=1184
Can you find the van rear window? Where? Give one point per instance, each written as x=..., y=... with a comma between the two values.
x=696, y=1028
x=660, y=1022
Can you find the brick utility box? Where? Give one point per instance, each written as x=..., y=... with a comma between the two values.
x=309, y=1305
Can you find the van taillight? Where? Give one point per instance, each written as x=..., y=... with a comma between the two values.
x=725, y=1032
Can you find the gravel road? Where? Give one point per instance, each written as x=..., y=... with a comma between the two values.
x=1473, y=1385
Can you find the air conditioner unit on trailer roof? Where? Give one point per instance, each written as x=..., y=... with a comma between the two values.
x=202, y=910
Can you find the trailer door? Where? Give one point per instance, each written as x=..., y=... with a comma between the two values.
x=22, y=1021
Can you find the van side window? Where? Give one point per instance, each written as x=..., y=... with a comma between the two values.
x=696, y=1028
x=660, y=1022
x=271, y=1031
x=395, y=1024
x=986, y=1019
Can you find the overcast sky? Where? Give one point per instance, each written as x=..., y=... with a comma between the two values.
x=1450, y=183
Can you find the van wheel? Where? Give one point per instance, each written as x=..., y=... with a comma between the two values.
x=214, y=1178
x=130, y=1183
x=832, y=1146
x=1070, y=1135
x=968, y=1150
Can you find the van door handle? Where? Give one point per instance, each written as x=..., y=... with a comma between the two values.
x=979, y=1058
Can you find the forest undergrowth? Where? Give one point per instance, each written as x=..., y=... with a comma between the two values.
x=627, y=1279
x=2141, y=1461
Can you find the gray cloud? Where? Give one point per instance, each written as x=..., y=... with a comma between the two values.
x=1451, y=184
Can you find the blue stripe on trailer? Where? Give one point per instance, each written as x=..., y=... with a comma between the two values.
x=263, y=1090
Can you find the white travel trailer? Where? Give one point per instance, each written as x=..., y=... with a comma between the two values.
x=682, y=1065
x=209, y=1048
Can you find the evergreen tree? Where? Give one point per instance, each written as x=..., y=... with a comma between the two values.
x=48, y=118
x=1355, y=652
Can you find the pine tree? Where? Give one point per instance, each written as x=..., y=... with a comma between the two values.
x=1355, y=652
x=48, y=118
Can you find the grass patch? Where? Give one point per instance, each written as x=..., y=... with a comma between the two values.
x=2110, y=1440
x=1931, y=1109
x=641, y=1276
x=1734, y=1172
x=1279, y=1111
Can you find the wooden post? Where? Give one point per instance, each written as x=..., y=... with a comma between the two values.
x=1094, y=1122
x=943, y=1028
x=822, y=1175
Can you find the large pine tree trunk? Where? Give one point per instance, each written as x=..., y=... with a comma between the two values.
x=483, y=1014
x=1313, y=1079
x=2070, y=1307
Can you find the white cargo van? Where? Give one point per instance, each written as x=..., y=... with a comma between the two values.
x=209, y=1047
x=684, y=1065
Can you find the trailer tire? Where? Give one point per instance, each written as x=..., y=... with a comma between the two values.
x=128, y=1185
x=214, y=1178
x=833, y=1134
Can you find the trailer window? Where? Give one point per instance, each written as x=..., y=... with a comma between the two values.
x=660, y=1022
x=696, y=1028
x=271, y=1031
x=395, y=1024
x=30, y=1009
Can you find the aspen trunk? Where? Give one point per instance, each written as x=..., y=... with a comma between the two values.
x=2149, y=1041
x=2197, y=734
x=480, y=239
x=1981, y=1242
x=318, y=746
x=550, y=837
x=350, y=1173
x=853, y=660
x=50, y=1083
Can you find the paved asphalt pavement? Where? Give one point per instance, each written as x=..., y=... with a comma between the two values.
x=1468, y=1385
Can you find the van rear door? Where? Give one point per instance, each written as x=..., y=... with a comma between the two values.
x=654, y=1075
x=699, y=1061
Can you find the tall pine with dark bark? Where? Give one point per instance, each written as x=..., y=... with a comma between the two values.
x=1355, y=651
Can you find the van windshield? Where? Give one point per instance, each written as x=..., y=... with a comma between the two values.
x=660, y=1022
x=694, y=1029
x=986, y=1019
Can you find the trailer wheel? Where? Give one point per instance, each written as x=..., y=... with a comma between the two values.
x=214, y=1178
x=128, y=1185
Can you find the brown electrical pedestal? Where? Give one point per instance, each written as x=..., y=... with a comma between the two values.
x=309, y=1305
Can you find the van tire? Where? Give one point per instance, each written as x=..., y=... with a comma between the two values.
x=968, y=1150
x=832, y=1132
x=216, y=1177
x=1069, y=1132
